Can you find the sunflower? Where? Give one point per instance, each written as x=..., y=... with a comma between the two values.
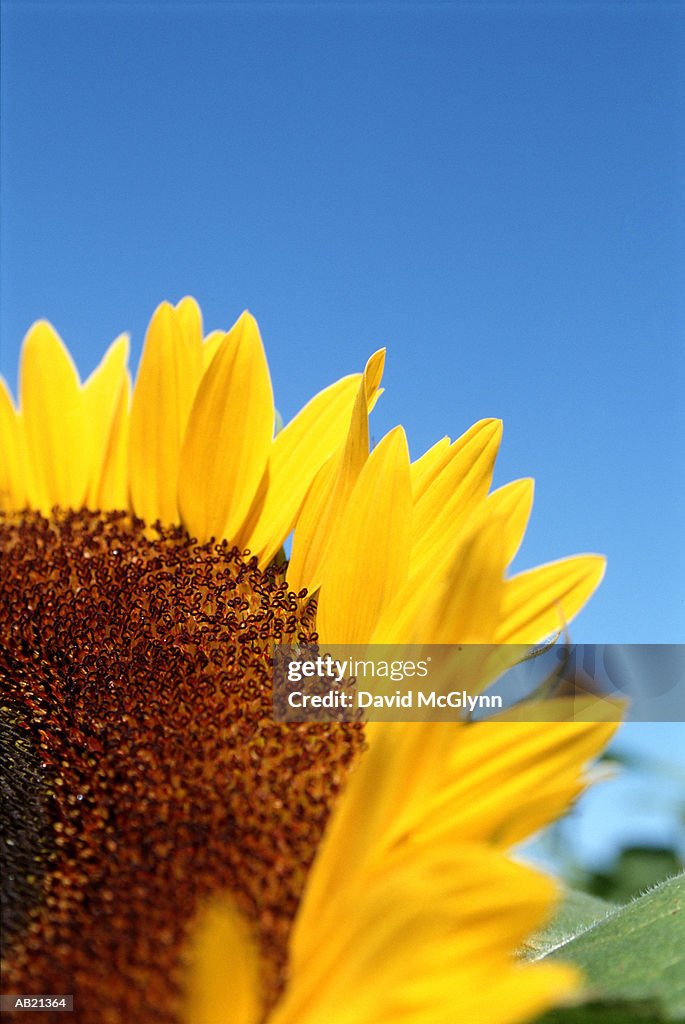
x=173, y=853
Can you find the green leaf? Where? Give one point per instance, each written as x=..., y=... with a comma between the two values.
x=576, y=913
x=637, y=952
x=606, y=1013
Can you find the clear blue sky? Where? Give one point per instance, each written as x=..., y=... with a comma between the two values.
x=493, y=190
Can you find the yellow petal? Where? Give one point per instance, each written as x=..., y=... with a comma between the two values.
x=403, y=768
x=457, y=603
x=407, y=616
x=426, y=784
x=242, y=537
x=540, y=602
x=505, y=780
x=167, y=379
x=513, y=504
x=102, y=396
x=309, y=540
x=425, y=469
x=431, y=786
x=454, y=493
x=375, y=525
x=435, y=925
x=112, y=490
x=210, y=347
x=56, y=429
x=221, y=969
x=460, y=601
x=190, y=321
x=301, y=449
x=373, y=375
x=431, y=941
x=469, y=611
x=326, y=500
x=229, y=436
x=13, y=459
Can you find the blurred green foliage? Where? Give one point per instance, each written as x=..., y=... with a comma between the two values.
x=634, y=870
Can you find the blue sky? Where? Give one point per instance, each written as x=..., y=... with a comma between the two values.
x=493, y=190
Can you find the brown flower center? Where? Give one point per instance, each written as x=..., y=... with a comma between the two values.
x=145, y=768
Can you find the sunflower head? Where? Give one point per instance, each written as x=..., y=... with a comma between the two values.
x=174, y=853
